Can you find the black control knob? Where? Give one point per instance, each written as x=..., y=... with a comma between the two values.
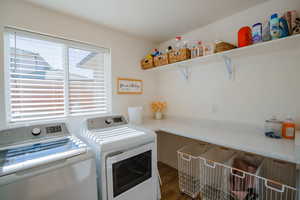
x=36, y=131
x=108, y=121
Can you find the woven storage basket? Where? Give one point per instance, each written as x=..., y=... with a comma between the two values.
x=147, y=63
x=179, y=55
x=161, y=60
x=223, y=46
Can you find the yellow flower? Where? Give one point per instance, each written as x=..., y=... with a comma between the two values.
x=158, y=106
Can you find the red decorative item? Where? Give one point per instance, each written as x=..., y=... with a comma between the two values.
x=245, y=36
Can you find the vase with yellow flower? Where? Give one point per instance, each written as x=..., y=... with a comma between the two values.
x=157, y=108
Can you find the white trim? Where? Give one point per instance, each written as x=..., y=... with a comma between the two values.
x=6, y=76
x=108, y=82
x=36, y=122
x=53, y=38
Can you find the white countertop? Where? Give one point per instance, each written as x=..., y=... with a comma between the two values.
x=233, y=135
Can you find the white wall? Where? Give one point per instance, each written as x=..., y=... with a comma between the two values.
x=126, y=50
x=265, y=85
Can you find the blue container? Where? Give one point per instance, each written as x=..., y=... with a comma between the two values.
x=257, y=33
x=283, y=28
x=274, y=26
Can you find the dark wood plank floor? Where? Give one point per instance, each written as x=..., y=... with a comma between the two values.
x=169, y=188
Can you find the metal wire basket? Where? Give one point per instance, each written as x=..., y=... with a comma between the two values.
x=188, y=168
x=282, y=179
x=208, y=171
x=215, y=176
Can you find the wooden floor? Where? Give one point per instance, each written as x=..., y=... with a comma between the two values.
x=169, y=188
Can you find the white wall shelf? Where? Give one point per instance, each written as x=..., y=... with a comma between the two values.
x=287, y=43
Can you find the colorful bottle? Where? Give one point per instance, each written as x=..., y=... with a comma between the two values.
x=289, y=129
x=266, y=35
x=178, y=43
x=274, y=27
x=197, y=50
x=257, y=33
x=283, y=27
x=200, y=48
x=273, y=128
x=245, y=36
x=208, y=48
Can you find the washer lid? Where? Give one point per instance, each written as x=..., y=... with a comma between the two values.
x=27, y=156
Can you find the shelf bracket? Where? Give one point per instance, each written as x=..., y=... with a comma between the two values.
x=185, y=72
x=229, y=66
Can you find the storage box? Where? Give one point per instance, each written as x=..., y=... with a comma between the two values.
x=179, y=55
x=147, y=63
x=223, y=46
x=161, y=60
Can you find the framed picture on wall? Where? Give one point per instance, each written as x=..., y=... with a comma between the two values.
x=130, y=86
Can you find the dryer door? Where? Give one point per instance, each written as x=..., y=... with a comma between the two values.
x=130, y=174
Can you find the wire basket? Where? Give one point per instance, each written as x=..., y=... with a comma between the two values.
x=188, y=168
x=282, y=179
x=214, y=176
x=209, y=171
x=242, y=185
x=265, y=189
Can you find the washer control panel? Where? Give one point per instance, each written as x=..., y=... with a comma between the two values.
x=104, y=122
x=28, y=133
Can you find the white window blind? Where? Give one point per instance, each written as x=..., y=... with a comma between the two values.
x=50, y=78
x=87, y=82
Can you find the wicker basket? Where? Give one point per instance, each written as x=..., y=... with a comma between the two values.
x=223, y=46
x=147, y=63
x=179, y=55
x=161, y=60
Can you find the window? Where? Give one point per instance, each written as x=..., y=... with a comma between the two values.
x=48, y=78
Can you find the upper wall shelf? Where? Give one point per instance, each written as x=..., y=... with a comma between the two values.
x=287, y=43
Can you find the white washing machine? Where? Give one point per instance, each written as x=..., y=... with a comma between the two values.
x=45, y=162
x=126, y=159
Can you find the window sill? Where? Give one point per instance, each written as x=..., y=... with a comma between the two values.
x=56, y=120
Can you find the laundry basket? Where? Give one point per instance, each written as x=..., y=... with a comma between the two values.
x=214, y=182
x=243, y=170
x=280, y=180
x=188, y=168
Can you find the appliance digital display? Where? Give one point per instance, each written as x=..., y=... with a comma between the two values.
x=53, y=129
x=117, y=119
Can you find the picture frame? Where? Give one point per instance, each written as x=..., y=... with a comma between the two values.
x=129, y=86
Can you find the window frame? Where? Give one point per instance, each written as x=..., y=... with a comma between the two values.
x=66, y=45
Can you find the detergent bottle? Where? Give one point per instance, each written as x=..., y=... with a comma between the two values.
x=288, y=129
x=283, y=27
x=274, y=26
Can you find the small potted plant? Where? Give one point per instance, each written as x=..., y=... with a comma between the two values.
x=157, y=108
